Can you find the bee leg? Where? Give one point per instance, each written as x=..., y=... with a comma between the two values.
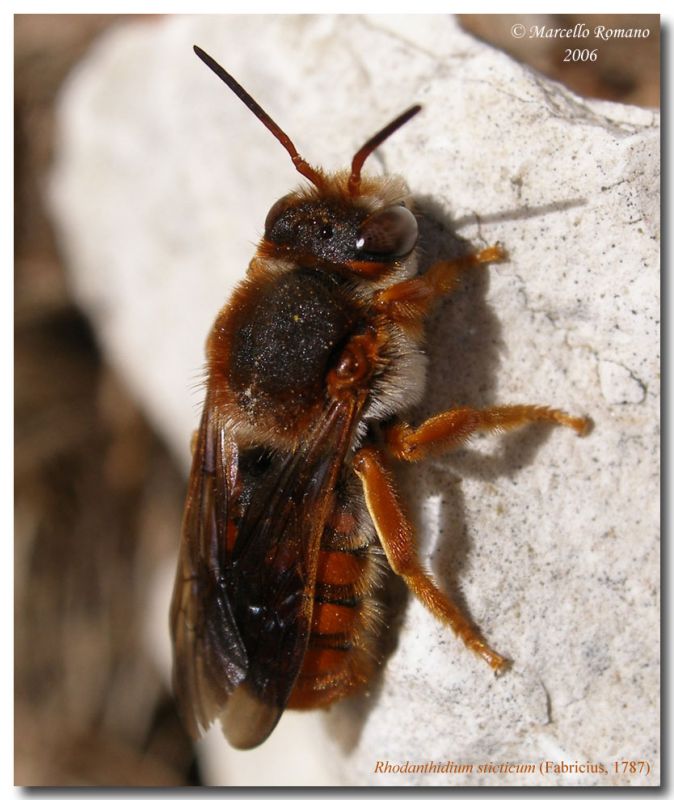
x=408, y=302
x=444, y=276
x=452, y=428
x=397, y=538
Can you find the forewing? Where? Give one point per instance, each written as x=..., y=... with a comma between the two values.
x=241, y=618
x=273, y=572
x=209, y=656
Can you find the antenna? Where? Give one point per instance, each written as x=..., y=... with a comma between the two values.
x=373, y=144
x=314, y=175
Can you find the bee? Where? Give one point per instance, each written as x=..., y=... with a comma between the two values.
x=292, y=508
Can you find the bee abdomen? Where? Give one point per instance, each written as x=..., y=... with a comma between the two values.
x=338, y=658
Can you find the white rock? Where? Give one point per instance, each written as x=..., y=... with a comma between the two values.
x=160, y=189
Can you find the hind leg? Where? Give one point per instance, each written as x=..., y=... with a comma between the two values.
x=397, y=538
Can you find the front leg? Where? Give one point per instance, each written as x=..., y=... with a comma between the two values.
x=409, y=302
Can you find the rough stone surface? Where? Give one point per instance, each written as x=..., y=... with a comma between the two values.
x=161, y=186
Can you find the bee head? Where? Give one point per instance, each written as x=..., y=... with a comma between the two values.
x=333, y=228
x=336, y=222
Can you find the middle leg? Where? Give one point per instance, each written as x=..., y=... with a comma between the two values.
x=452, y=428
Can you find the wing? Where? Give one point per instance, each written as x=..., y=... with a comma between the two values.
x=242, y=614
x=209, y=656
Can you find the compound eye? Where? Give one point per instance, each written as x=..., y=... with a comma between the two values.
x=392, y=232
x=275, y=212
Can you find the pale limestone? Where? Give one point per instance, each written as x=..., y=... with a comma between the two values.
x=161, y=186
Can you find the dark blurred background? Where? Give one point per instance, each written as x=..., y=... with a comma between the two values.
x=98, y=499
